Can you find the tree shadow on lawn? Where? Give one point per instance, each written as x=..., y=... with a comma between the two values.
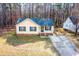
x=19, y=40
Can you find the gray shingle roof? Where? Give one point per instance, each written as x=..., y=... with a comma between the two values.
x=73, y=19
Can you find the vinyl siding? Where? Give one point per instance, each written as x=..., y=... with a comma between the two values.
x=69, y=25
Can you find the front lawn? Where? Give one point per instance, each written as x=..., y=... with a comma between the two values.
x=16, y=40
x=11, y=44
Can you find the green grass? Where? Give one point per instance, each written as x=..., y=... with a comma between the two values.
x=13, y=39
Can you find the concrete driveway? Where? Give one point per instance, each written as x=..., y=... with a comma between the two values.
x=63, y=45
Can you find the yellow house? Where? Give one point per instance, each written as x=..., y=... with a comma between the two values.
x=34, y=26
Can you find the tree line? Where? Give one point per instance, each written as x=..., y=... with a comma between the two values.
x=10, y=12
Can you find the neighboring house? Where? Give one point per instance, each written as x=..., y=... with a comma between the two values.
x=70, y=24
x=34, y=26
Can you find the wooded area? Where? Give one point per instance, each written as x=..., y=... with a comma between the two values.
x=10, y=12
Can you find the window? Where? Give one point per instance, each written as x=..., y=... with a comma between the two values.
x=68, y=25
x=47, y=28
x=22, y=28
x=32, y=28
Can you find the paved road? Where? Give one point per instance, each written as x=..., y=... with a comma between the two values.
x=63, y=46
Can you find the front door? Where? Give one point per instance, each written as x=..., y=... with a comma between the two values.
x=42, y=28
